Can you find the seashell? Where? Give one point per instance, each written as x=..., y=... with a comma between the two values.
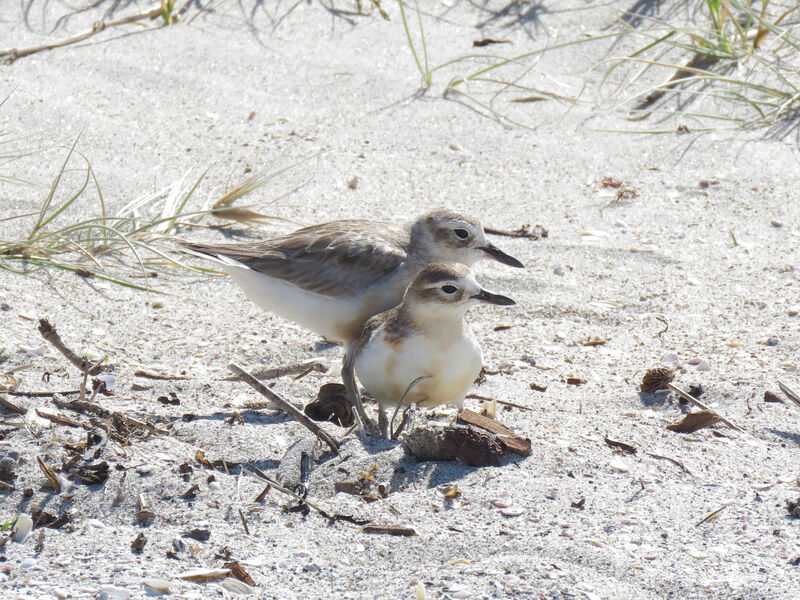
x=22, y=528
x=420, y=593
x=110, y=592
x=204, y=575
x=512, y=511
x=156, y=586
x=236, y=587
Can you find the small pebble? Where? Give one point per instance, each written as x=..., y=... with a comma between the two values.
x=618, y=465
x=28, y=563
x=110, y=592
x=772, y=341
x=776, y=223
x=559, y=271
x=794, y=311
x=236, y=587
x=670, y=358
x=703, y=366
x=512, y=511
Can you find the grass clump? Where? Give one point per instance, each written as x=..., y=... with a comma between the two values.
x=737, y=63
x=129, y=247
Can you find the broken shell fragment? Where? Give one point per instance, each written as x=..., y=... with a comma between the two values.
x=204, y=575
x=22, y=528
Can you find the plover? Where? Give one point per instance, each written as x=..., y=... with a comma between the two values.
x=422, y=351
x=332, y=277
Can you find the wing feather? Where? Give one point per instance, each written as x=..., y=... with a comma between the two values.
x=341, y=258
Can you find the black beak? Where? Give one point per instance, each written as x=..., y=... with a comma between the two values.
x=491, y=298
x=501, y=256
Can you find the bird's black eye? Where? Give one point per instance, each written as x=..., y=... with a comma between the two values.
x=462, y=233
x=449, y=289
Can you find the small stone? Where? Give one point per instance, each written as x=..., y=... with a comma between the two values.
x=236, y=587
x=776, y=223
x=773, y=341
x=512, y=511
x=110, y=592
x=28, y=563
x=156, y=586
x=559, y=271
x=703, y=366
x=619, y=466
x=670, y=358
x=794, y=311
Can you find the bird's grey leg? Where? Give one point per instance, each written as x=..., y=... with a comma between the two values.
x=351, y=389
x=402, y=399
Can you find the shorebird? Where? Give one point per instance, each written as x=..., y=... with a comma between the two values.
x=332, y=277
x=422, y=351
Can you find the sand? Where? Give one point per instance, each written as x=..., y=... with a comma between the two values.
x=701, y=263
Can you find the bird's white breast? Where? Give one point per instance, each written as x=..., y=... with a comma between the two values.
x=335, y=318
x=449, y=360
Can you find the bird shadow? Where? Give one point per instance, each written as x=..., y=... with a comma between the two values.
x=648, y=399
x=789, y=436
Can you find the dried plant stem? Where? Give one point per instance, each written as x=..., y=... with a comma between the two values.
x=9, y=56
x=285, y=406
x=50, y=335
x=689, y=398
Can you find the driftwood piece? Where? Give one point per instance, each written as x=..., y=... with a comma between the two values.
x=51, y=336
x=510, y=440
x=285, y=406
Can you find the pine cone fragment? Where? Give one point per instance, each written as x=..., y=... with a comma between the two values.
x=656, y=379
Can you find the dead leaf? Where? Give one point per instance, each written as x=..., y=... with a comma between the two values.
x=695, y=421
x=510, y=440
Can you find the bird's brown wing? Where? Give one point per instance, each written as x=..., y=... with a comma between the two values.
x=336, y=259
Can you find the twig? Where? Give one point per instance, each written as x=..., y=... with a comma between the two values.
x=244, y=522
x=5, y=402
x=13, y=54
x=712, y=515
x=42, y=394
x=300, y=370
x=158, y=376
x=504, y=402
x=302, y=500
x=285, y=406
x=61, y=420
x=666, y=326
x=91, y=408
x=688, y=397
x=50, y=335
x=672, y=460
x=790, y=393
x=537, y=233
